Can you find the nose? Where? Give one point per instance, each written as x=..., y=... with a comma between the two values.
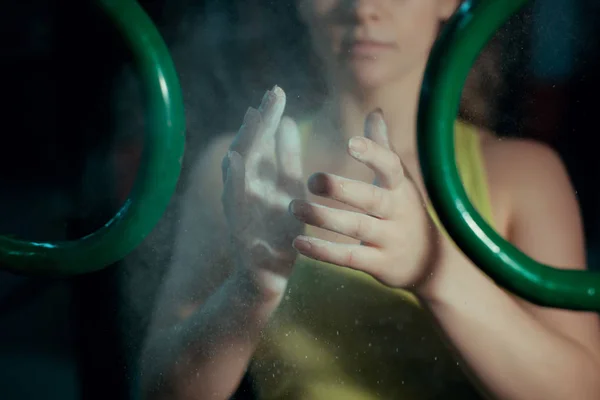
x=366, y=10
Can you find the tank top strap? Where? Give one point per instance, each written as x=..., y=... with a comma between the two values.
x=471, y=165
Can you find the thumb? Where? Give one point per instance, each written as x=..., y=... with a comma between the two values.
x=234, y=179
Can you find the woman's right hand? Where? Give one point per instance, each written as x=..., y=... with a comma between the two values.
x=262, y=174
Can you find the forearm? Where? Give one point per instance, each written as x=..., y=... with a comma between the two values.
x=206, y=355
x=511, y=354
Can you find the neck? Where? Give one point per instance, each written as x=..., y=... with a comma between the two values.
x=347, y=110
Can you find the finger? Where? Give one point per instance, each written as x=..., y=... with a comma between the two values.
x=260, y=123
x=289, y=149
x=263, y=147
x=248, y=132
x=369, y=198
x=384, y=162
x=356, y=225
x=376, y=129
x=361, y=258
x=289, y=157
x=234, y=191
x=271, y=110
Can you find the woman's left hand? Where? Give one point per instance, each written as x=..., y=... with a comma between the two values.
x=398, y=239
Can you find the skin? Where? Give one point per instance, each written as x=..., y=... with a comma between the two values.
x=367, y=213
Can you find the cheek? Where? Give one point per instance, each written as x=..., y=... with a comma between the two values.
x=417, y=36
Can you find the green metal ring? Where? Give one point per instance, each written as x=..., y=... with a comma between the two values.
x=452, y=57
x=157, y=176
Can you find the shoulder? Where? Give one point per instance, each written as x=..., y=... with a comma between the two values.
x=523, y=163
x=527, y=178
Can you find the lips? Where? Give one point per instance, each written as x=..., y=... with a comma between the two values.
x=367, y=48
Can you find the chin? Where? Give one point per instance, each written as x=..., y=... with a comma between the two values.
x=368, y=83
x=369, y=77
x=366, y=75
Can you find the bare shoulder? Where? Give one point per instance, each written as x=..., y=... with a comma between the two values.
x=522, y=163
x=544, y=219
x=526, y=176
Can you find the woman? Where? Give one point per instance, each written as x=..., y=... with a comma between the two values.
x=392, y=309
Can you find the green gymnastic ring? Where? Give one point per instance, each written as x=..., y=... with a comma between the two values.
x=158, y=173
x=452, y=57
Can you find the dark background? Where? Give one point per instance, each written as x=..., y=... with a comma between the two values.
x=73, y=125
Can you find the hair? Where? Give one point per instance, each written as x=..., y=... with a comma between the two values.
x=225, y=60
x=484, y=87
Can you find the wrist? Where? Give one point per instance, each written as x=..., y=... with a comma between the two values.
x=427, y=288
x=428, y=291
x=447, y=280
x=453, y=282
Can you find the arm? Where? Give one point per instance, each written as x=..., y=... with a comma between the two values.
x=205, y=353
x=517, y=350
x=207, y=320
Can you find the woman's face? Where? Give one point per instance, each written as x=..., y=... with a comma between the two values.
x=369, y=43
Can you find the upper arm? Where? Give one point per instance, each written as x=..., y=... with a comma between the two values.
x=200, y=261
x=544, y=221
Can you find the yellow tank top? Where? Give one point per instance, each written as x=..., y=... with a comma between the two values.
x=341, y=335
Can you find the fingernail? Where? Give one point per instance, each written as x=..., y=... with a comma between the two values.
x=316, y=184
x=265, y=97
x=384, y=133
x=266, y=100
x=248, y=111
x=277, y=90
x=357, y=146
x=293, y=208
x=301, y=244
x=297, y=208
